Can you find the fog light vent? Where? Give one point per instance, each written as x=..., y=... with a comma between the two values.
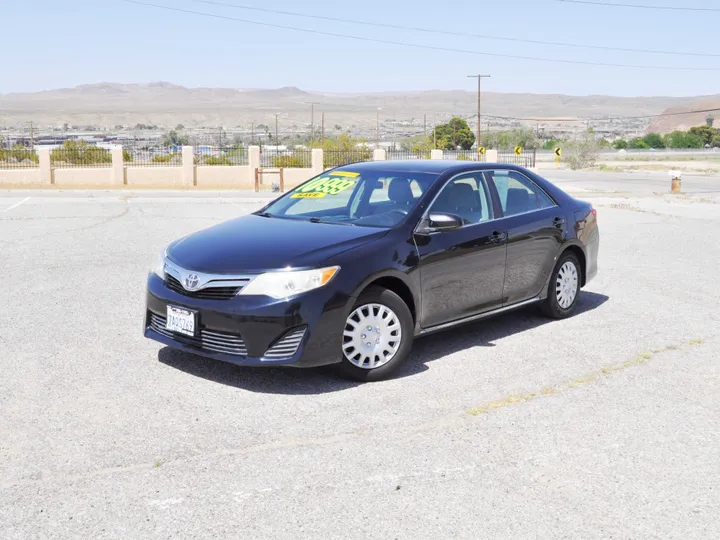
x=287, y=346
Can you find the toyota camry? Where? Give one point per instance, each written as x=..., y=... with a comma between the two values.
x=353, y=265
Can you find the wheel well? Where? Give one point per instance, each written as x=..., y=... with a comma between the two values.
x=580, y=254
x=397, y=286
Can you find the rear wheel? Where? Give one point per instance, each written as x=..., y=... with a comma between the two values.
x=564, y=288
x=378, y=336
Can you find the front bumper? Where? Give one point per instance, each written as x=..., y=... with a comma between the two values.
x=243, y=329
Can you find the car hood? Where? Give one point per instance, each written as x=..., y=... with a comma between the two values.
x=254, y=243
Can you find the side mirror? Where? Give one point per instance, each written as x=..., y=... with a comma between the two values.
x=437, y=222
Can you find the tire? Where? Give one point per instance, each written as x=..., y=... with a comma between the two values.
x=388, y=317
x=556, y=304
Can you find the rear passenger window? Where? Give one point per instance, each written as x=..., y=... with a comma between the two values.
x=518, y=194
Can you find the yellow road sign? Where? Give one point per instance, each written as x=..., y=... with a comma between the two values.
x=518, y=150
x=481, y=150
x=558, y=151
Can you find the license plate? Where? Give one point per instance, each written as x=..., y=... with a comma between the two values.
x=180, y=320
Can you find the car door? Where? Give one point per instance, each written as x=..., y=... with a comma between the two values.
x=461, y=270
x=535, y=226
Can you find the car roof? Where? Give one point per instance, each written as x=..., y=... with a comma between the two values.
x=432, y=166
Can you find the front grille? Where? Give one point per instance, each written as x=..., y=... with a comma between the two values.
x=218, y=342
x=211, y=293
x=287, y=346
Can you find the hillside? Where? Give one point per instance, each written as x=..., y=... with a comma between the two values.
x=166, y=104
x=667, y=124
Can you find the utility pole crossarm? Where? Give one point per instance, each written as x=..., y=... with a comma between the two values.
x=479, y=78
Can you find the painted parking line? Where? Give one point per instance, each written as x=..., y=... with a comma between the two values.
x=26, y=199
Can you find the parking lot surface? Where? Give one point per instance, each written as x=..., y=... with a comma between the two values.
x=604, y=425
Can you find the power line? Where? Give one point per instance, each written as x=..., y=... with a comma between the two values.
x=639, y=6
x=451, y=33
x=417, y=45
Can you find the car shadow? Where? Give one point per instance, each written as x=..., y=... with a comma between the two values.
x=291, y=381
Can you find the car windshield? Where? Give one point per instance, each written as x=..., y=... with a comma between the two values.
x=370, y=198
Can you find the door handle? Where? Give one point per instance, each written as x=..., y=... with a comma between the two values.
x=498, y=237
x=559, y=222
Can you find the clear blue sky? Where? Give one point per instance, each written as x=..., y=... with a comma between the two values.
x=52, y=44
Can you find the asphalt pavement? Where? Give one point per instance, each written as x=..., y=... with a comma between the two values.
x=604, y=425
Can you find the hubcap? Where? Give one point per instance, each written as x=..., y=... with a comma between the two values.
x=372, y=336
x=566, y=286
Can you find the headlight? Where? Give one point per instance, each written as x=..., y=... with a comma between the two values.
x=283, y=284
x=159, y=266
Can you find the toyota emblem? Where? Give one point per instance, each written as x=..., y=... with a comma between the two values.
x=191, y=282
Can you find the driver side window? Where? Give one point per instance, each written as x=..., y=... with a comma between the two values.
x=466, y=196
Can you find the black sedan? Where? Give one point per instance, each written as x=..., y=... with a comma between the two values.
x=352, y=265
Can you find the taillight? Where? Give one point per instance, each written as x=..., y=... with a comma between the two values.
x=594, y=213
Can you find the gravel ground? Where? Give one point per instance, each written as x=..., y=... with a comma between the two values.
x=604, y=425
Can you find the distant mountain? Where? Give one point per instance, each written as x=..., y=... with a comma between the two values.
x=167, y=104
x=665, y=124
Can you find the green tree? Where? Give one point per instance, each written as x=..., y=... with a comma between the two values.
x=179, y=127
x=707, y=133
x=715, y=143
x=654, y=140
x=173, y=138
x=342, y=149
x=80, y=153
x=18, y=154
x=582, y=150
x=638, y=143
x=551, y=143
x=419, y=145
x=683, y=139
x=453, y=134
x=620, y=144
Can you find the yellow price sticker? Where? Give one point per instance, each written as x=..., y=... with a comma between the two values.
x=327, y=185
x=307, y=195
x=346, y=174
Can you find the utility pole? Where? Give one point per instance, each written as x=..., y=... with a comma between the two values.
x=312, y=117
x=276, y=132
x=434, y=132
x=252, y=131
x=479, y=78
x=425, y=125
x=32, y=138
x=377, y=128
x=322, y=132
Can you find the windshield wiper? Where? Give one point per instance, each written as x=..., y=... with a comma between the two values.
x=264, y=214
x=318, y=220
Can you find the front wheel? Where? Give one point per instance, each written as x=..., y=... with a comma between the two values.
x=378, y=336
x=564, y=288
